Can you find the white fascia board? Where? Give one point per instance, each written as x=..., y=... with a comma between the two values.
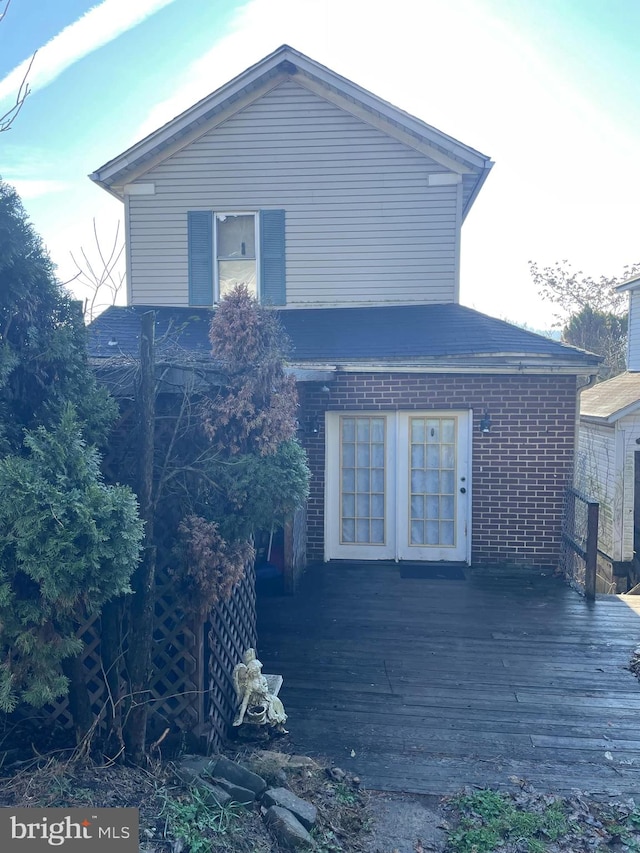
x=311, y=374
x=461, y=367
x=478, y=186
x=597, y=421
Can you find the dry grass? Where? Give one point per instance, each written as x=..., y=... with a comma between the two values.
x=171, y=816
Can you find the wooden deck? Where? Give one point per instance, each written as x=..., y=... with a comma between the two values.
x=435, y=684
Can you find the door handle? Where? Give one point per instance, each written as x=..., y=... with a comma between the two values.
x=463, y=491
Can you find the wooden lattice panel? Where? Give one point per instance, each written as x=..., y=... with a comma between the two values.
x=176, y=669
x=191, y=687
x=232, y=629
x=90, y=635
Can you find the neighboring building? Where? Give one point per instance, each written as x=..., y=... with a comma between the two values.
x=434, y=433
x=608, y=464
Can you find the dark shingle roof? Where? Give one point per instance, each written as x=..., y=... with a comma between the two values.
x=402, y=334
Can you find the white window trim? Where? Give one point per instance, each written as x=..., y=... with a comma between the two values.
x=216, y=259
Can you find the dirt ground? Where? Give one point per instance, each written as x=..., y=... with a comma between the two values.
x=350, y=819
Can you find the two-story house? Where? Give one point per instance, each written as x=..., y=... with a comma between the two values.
x=434, y=432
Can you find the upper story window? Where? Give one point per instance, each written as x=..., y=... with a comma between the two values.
x=227, y=248
x=236, y=253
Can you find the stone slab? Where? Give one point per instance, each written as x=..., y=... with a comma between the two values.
x=288, y=830
x=237, y=775
x=305, y=812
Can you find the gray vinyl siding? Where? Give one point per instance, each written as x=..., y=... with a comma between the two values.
x=362, y=226
x=598, y=476
x=628, y=430
x=633, y=346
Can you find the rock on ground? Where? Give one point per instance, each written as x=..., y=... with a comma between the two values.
x=288, y=830
x=305, y=812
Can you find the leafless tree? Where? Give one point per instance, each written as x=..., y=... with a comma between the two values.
x=101, y=273
x=11, y=114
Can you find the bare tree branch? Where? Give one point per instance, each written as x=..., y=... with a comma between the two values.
x=103, y=279
x=10, y=116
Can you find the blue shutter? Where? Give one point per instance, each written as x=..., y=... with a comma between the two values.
x=272, y=258
x=200, y=239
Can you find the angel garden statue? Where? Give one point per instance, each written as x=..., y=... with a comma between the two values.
x=256, y=704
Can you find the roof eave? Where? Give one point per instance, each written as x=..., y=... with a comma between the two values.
x=618, y=414
x=488, y=365
x=478, y=186
x=629, y=284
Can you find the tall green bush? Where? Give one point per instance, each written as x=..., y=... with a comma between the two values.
x=67, y=542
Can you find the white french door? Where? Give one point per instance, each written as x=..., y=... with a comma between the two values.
x=397, y=486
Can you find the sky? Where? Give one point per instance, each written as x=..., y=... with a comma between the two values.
x=547, y=89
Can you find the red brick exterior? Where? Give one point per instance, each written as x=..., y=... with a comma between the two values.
x=519, y=470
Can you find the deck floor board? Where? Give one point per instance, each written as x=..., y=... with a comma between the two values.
x=436, y=684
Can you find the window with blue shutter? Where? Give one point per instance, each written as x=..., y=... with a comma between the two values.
x=272, y=258
x=200, y=250
x=222, y=252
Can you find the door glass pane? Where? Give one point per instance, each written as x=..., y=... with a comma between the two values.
x=362, y=505
x=349, y=455
x=447, y=532
x=417, y=506
x=348, y=480
x=433, y=506
x=362, y=531
x=377, y=479
x=377, y=430
x=417, y=455
x=449, y=430
x=377, y=457
x=447, y=456
x=377, y=531
x=362, y=429
x=363, y=479
x=348, y=429
x=364, y=455
x=348, y=506
x=362, y=450
x=348, y=530
x=433, y=456
x=377, y=506
x=432, y=479
x=447, y=479
x=446, y=506
x=433, y=533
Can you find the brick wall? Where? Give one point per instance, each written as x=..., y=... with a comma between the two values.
x=519, y=470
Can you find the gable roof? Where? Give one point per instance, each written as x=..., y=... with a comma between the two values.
x=611, y=400
x=439, y=337
x=283, y=64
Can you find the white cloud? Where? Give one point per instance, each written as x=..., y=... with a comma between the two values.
x=97, y=27
x=29, y=188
